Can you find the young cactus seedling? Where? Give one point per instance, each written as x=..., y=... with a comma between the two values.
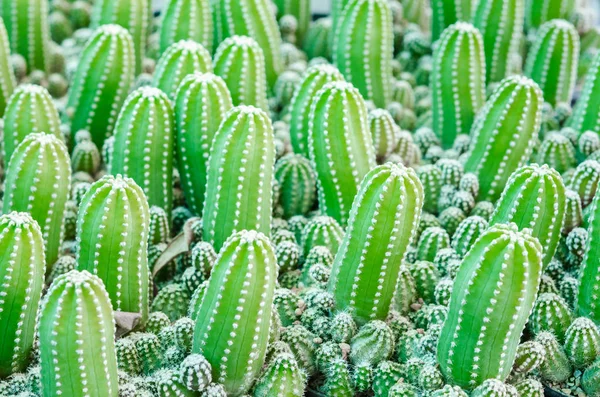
x=186, y=20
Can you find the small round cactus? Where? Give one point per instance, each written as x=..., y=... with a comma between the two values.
x=384, y=132
x=582, y=342
x=282, y=376
x=297, y=184
x=558, y=152
x=530, y=355
x=584, y=181
x=551, y=313
x=373, y=343
x=555, y=367
x=186, y=20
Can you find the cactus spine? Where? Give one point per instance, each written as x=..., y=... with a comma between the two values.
x=586, y=113
x=481, y=334
x=457, y=81
x=22, y=271
x=187, y=20
x=363, y=48
x=541, y=11
x=76, y=329
x=448, y=12
x=553, y=60
x=108, y=57
x=387, y=210
x=7, y=76
x=37, y=181
x=340, y=146
x=588, y=297
x=143, y=148
x=235, y=341
x=503, y=134
x=242, y=170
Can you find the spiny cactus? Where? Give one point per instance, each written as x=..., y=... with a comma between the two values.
x=448, y=12
x=584, y=181
x=591, y=380
x=340, y=147
x=201, y=104
x=143, y=148
x=582, y=342
x=457, y=81
x=29, y=110
x=553, y=59
x=108, y=57
x=300, y=10
x=469, y=352
x=244, y=278
x=186, y=20
x=7, y=76
x=540, y=12
x=467, y=232
x=112, y=235
x=242, y=169
x=588, y=297
x=37, y=181
x=503, y=134
x=317, y=43
x=551, y=313
x=384, y=132
x=363, y=48
x=555, y=367
x=558, y=152
x=76, y=330
x=586, y=113
x=373, y=343
x=282, y=376
x=297, y=184
x=363, y=278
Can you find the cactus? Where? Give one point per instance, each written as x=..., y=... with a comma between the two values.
x=29, y=110
x=467, y=352
x=7, y=76
x=431, y=179
x=340, y=147
x=373, y=343
x=582, y=342
x=244, y=127
x=297, y=184
x=448, y=12
x=558, y=152
x=317, y=41
x=201, y=104
x=363, y=48
x=586, y=113
x=530, y=355
x=540, y=12
x=180, y=59
x=457, y=96
x=551, y=313
x=503, y=134
x=143, y=148
x=76, y=331
x=112, y=235
x=584, y=181
x=384, y=132
x=431, y=241
x=555, y=367
x=236, y=358
x=253, y=18
x=300, y=9
x=186, y=20
x=591, y=380
x=553, y=59
x=282, y=376
x=172, y=300
x=467, y=232
x=40, y=158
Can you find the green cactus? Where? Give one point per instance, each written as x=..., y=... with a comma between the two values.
x=186, y=20
x=76, y=331
x=297, y=184
x=317, y=41
x=467, y=232
x=301, y=10
x=7, y=76
x=172, y=300
x=582, y=342
x=591, y=380
x=201, y=104
x=363, y=48
x=384, y=132
x=340, y=146
x=530, y=355
x=584, y=181
x=448, y=12
x=586, y=113
x=430, y=242
x=555, y=367
x=553, y=59
x=282, y=376
x=551, y=313
x=503, y=134
x=373, y=343
x=558, y=152
x=244, y=277
x=143, y=148
x=539, y=12
x=457, y=81
x=588, y=300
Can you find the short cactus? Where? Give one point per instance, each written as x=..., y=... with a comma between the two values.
x=7, y=76
x=538, y=13
x=446, y=13
x=431, y=241
x=282, y=376
x=297, y=184
x=530, y=355
x=551, y=313
x=591, y=380
x=586, y=113
x=584, y=181
x=384, y=132
x=558, y=152
x=467, y=232
x=582, y=342
x=186, y=20
x=373, y=343
x=555, y=367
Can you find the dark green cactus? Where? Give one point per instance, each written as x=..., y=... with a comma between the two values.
x=540, y=12
x=586, y=113
x=7, y=76
x=556, y=367
x=448, y=12
x=186, y=20
x=551, y=313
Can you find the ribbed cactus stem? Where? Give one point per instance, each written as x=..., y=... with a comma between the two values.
x=240, y=176
x=363, y=48
x=448, y=12
x=37, y=181
x=301, y=10
x=586, y=113
x=108, y=57
x=187, y=20
x=588, y=297
x=235, y=341
x=22, y=271
x=541, y=11
x=76, y=330
x=552, y=61
x=297, y=184
x=457, y=81
x=503, y=134
x=201, y=104
x=481, y=334
x=340, y=146
x=386, y=210
x=7, y=76
x=143, y=148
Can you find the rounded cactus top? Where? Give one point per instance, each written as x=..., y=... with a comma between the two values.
x=18, y=219
x=41, y=139
x=238, y=41
x=113, y=30
x=77, y=280
x=33, y=89
x=463, y=27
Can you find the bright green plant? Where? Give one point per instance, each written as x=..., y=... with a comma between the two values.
x=186, y=20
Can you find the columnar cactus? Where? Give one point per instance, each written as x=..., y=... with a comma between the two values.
x=540, y=12
x=253, y=18
x=470, y=350
x=501, y=25
x=130, y=14
x=108, y=57
x=28, y=31
x=552, y=61
x=241, y=168
x=235, y=341
x=297, y=184
x=467, y=232
x=503, y=134
x=448, y=12
x=37, y=181
x=384, y=132
x=76, y=330
x=29, y=110
x=143, y=148
x=588, y=297
x=340, y=146
x=387, y=210
x=179, y=60
x=22, y=270
x=201, y=103
x=457, y=81
x=239, y=60
x=586, y=113
x=7, y=76
x=363, y=48
x=186, y=20
x=112, y=235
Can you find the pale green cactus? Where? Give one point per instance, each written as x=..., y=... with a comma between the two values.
x=457, y=81
x=186, y=20
x=77, y=332
x=363, y=48
x=317, y=43
x=448, y=12
x=7, y=76
x=299, y=9
x=297, y=184
x=539, y=12
x=588, y=297
x=557, y=151
x=586, y=113
x=553, y=59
